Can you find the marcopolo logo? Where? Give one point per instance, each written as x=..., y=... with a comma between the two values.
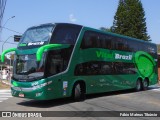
x=123, y=57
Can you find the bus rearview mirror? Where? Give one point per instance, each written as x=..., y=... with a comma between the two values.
x=17, y=38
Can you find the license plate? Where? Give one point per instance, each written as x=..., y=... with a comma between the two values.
x=21, y=95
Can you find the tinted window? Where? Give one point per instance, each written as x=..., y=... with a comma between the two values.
x=65, y=34
x=57, y=61
x=96, y=40
x=93, y=39
x=141, y=46
x=119, y=45
x=124, y=68
x=152, y=50
x=133, y=45
x=104, y=68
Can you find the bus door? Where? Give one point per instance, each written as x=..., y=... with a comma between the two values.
x=54, y=66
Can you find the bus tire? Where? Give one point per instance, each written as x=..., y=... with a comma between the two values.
x=138, y=85
x=78, y=93
x=145, y=84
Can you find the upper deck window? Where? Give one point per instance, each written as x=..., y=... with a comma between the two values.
x=65, y=34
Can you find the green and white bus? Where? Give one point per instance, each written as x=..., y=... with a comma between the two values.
x=63, y=60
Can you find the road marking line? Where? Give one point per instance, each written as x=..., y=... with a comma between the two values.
x=2, y=91
x=5, y=94
x=156, y=89
x=3, y=98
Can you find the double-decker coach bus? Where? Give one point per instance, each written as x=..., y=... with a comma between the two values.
x=62, y=60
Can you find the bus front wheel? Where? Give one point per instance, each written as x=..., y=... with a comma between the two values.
x=78, y=92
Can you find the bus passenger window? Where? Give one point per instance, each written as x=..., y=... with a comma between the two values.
x=57, y=61
x=55, y=64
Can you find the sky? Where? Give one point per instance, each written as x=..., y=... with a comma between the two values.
x=91, y=13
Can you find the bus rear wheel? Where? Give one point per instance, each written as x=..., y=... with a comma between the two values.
x=145, y=84
x=78, y=93
x=138, y=85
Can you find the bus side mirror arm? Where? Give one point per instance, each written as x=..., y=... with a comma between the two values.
x=5, y=52
x=44, y=48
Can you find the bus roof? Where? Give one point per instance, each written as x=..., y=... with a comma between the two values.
x=54, y=24
x=105, y=32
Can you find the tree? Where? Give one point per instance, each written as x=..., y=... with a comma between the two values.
x=158, y=46
x=105, y=29
x=130, y=19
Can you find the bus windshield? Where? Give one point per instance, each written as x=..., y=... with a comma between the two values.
x=37, y=34
x=27, y=68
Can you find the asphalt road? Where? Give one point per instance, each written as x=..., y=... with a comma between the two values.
x=113, y=101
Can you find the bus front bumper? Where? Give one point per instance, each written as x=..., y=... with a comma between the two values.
x=37, y=92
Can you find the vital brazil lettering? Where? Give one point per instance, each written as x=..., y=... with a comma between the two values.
x=112, y=55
